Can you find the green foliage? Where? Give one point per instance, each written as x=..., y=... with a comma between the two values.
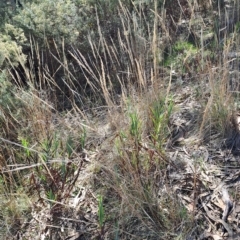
x=57, y=177
x=15, y=33
x=49, y=147
x=52, y=19
x=6, y=96
x=101, y=215
x=181, y=56
x=237, y=27
x=51, y=196
x=183, y=213
x=83, y=138
x=25, y=144
x=71, y=21
x=135, y=126
x=183, y=46
x=160, y=113
x=10, y=50
x=10, y=106
x=7, y=9
x=103, y=4
x=116, y=236
x=69, y=146
x=74, y=20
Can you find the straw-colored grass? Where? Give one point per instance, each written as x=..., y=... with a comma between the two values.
x=87, y=153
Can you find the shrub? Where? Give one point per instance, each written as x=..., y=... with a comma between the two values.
x=10, y=50
x=50, y=19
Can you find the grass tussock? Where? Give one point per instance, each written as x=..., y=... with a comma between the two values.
x=220, y=104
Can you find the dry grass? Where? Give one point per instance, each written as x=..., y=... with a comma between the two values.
x=110, y=140
x=221, y=99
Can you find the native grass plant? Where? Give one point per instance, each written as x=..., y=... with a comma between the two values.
x=54, y=178
x=101, y=216
x=13, y=211
x=182, y=57
x=137, y=175
x=222, y=99
x=159, y=115
x=118, y=64
x=37, y=162
x=5, y=91
x=132, y=178
x=135, y=126
x=137, y=172
x=41, y=169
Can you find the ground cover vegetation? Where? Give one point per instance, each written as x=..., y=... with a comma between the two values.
x=119, y=119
